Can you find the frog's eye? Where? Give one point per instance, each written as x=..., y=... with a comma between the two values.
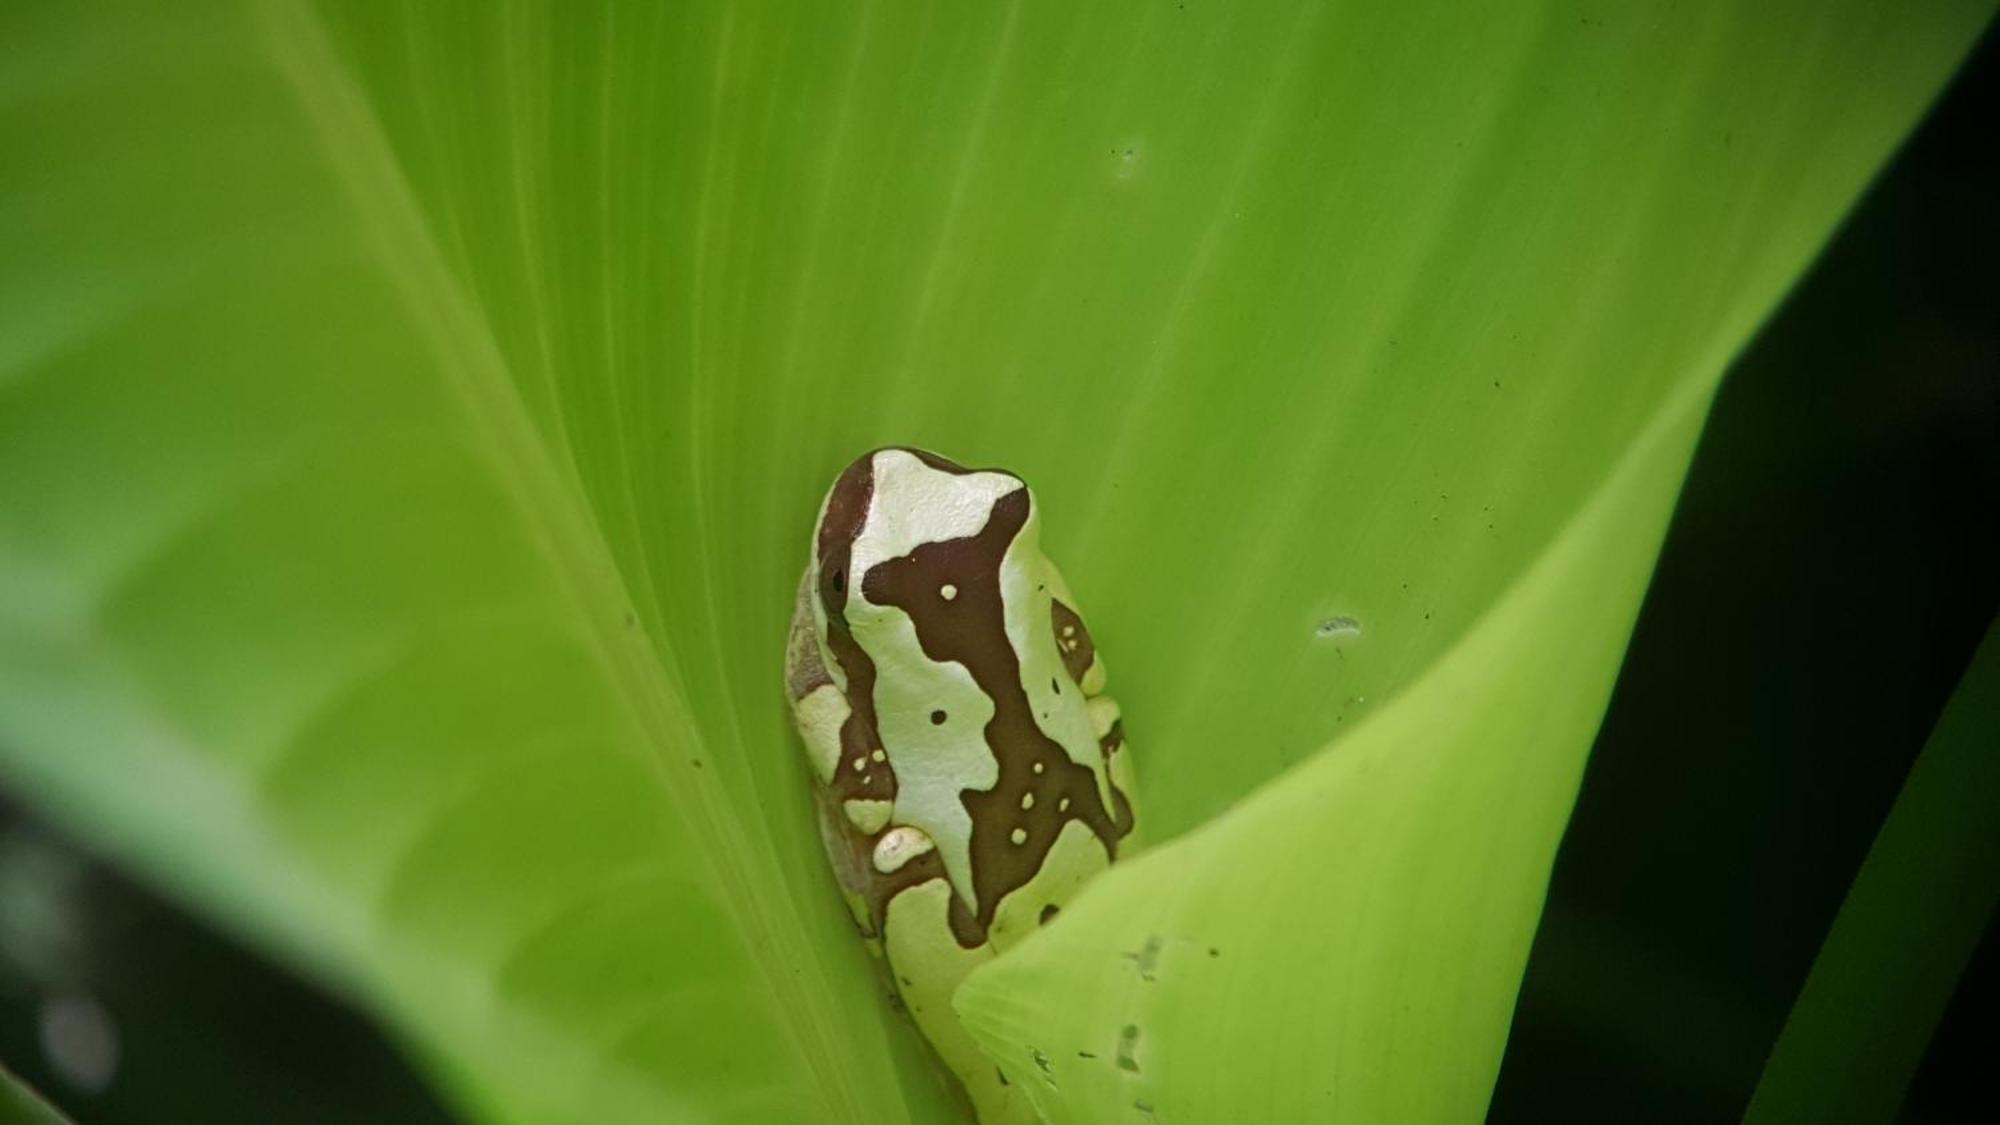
x=838, y=581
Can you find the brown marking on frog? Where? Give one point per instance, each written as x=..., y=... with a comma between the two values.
x=1072, y=640
x=853, y=852
x=970, y=629
x=1112, y=742
x=858, y=776
x=941, y=464
x=852, y=849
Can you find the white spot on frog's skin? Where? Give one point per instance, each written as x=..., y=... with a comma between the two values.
x=899, y=846
x=1062, y=805
x=880, y=755
x=859, y=763
x=1027, y=800
x=820, y=716
x=1103, y=712
x=947, y=591
x=1019, y=836
x=1338, y=627
x=1039, y=767
x=867, y=816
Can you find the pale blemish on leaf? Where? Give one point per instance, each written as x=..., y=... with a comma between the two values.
x=1342, y=626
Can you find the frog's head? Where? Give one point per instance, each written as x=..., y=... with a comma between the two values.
x=887, y=505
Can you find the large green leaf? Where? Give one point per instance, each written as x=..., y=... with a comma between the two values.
x=303, y=615
x=410, y=422
x=1345, y=944
x=1909, y=927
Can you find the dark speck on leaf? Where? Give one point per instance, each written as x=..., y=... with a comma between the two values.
x=1128, y=1043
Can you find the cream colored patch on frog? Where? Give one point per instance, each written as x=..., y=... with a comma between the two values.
x=933, y=762
x=1094, y=676
x=914, y=504
x=820, y=715
x=899, y=846
x=867, y=816
x=1103, y=715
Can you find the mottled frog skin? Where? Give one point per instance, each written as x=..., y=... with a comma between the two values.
x=971, y=772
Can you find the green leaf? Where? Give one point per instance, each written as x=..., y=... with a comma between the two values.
x=1909, y=926
x=1345, y=944
x=411, y=421
x=303, y=616
x=20, y=1105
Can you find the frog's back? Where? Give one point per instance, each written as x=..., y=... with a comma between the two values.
x=972, y=772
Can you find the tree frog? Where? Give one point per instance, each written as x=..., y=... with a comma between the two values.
x=970, y=772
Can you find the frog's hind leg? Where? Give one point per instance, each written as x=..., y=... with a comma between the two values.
x=929, y=964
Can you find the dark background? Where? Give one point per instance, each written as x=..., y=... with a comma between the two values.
x=1834, y=561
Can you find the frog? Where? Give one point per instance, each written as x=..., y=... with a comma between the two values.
x=970, y=773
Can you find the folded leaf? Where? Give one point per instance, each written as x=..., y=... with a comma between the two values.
x=1345, y=945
